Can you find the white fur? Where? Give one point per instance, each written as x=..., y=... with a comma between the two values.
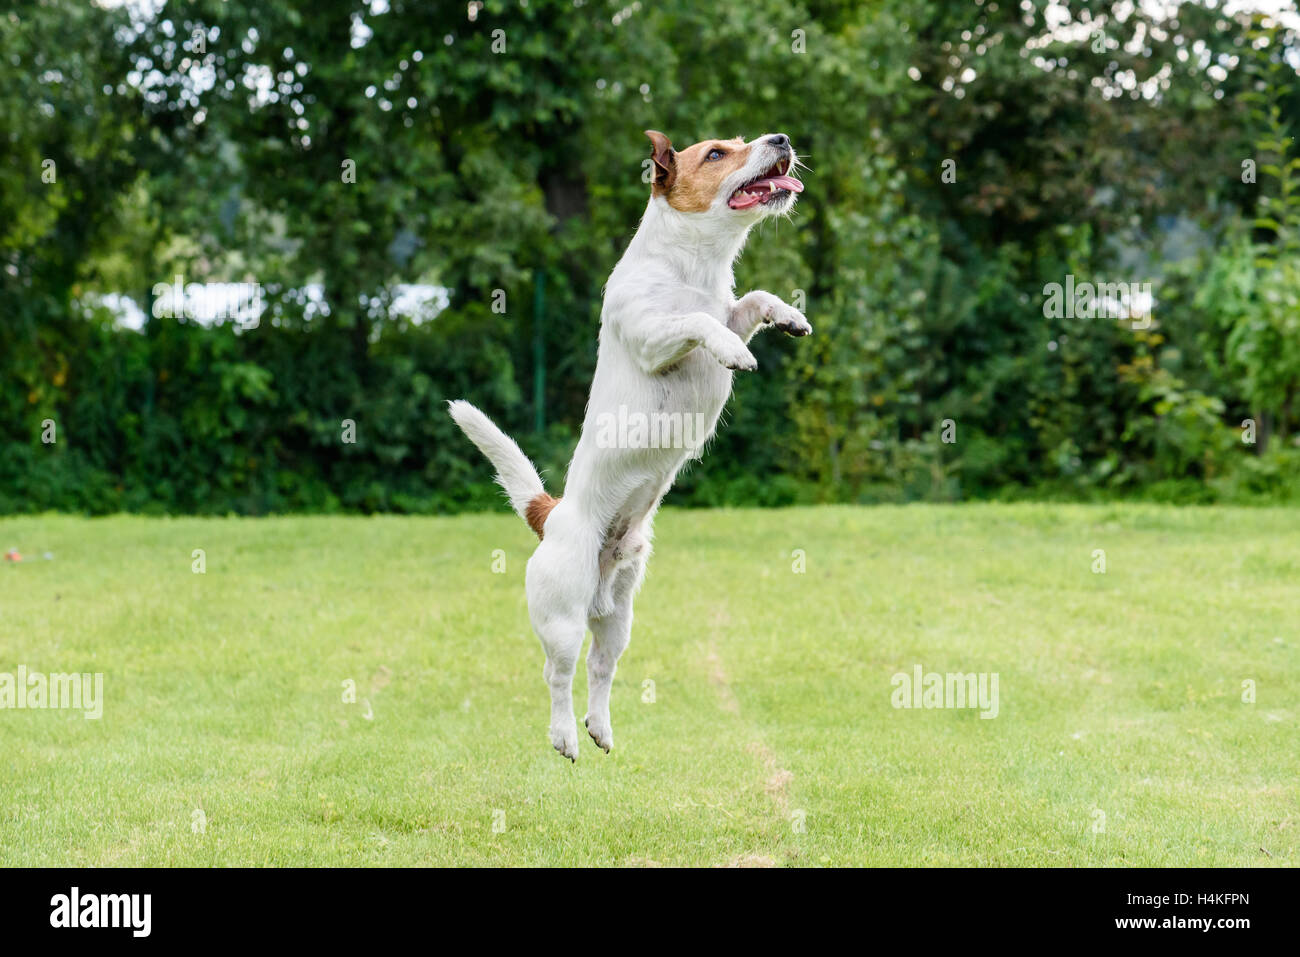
x=671, y=333
x=515, y=473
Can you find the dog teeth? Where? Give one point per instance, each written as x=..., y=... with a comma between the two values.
x=773, y=187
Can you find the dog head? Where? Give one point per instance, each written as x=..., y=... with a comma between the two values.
x=728, y=179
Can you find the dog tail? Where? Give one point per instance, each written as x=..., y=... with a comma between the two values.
x=515, y=474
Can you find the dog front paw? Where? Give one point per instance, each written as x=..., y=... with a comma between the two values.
x=791, y=321
x=734, y=355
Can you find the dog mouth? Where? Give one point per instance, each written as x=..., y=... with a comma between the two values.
x=772, y=186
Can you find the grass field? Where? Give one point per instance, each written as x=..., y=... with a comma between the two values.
x=1121, y=738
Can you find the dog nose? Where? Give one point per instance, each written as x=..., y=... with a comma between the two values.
x=779, y=140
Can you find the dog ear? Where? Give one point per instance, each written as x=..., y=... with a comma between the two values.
x=665, y=160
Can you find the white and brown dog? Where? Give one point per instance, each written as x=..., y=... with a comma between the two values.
x=671, y=333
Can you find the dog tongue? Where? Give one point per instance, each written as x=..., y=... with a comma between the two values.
x=763, y=188
x=783, y=182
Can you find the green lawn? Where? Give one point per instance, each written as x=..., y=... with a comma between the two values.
x=1121, y=738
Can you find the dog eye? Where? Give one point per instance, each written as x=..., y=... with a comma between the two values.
x=716, y=154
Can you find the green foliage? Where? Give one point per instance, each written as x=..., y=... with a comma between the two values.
x=498, y=146
x=208, y=421
x=1252, y=288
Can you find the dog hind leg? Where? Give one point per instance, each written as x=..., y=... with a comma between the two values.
x=560, y=585
x=610, y=635
x=562, y=641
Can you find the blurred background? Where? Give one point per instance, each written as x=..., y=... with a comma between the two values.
x=373, y=207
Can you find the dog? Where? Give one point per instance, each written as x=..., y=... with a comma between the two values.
x=671, y=335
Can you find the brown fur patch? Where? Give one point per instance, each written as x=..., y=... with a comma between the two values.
x=698, y=179
x=538, y=509
x=688, y=179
